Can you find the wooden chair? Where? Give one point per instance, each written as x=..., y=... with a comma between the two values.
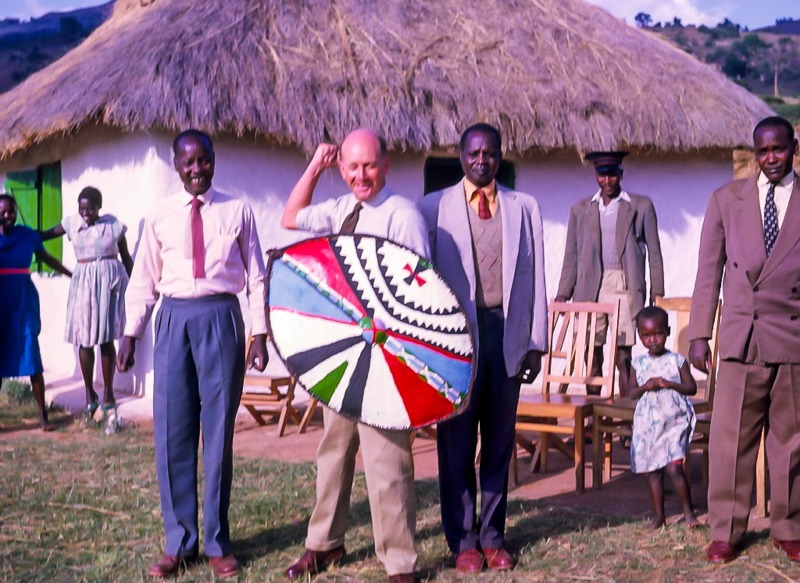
x=571, y=332
x=610, y=419
x=272, y=399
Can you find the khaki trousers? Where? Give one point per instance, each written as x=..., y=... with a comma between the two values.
x=389, y=469
x=747, y=396
x=613, y=289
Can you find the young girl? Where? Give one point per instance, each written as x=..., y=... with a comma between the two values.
x=96, y=304
x=20, y=322
x=663, y=422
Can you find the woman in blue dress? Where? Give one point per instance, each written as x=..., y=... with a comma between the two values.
x=20, y=322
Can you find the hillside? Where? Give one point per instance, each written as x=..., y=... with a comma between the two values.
x=26, y=47
x=764, y=61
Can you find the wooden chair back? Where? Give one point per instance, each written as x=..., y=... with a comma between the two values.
x=572, y=329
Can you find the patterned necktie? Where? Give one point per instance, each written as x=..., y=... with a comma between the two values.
x=198, y=244
x=770, y=220
x=351, y=220
x=483, y=205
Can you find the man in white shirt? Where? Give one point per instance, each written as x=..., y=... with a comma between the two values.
x=199, y=248
x=367, y=209
x=604, y=257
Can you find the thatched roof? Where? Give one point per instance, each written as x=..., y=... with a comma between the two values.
x=552, y=74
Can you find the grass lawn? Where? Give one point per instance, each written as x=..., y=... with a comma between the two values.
x=76, y=505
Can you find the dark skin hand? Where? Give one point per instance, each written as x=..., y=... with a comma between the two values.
x=531, y=366
x=257, y=357
x=53, y=263
x=687, y=386
x=700, y=354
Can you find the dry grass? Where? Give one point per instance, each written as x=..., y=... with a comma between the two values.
x=79, y=506
x=551, y=74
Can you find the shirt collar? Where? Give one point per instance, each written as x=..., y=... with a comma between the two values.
x=376, y=200
x=102, y=219
x=206, y=198
x=622, y=196
x=470, y=189
x=763, y=181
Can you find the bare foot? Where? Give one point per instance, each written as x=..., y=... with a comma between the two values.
x=656, y=523
x=691, y=520
x=46, y=426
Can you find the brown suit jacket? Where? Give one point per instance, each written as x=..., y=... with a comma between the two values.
x=761, y=296
x=637, y=231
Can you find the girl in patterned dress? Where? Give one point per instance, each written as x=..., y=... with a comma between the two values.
x=96, y=304
x=20, y=322
x=664, y=419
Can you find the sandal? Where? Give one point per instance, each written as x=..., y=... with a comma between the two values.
x=89, y=410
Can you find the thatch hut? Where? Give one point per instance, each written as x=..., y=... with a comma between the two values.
x=270, y=79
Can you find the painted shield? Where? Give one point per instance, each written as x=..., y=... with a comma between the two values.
x=370, y=329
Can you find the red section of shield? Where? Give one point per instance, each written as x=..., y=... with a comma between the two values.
x=320, y=260
x=423, y=403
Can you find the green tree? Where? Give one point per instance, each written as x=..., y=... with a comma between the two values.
x=643, y=19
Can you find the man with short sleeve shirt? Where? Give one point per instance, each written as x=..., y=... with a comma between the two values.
x=368, y=209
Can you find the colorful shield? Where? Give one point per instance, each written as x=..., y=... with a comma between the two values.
x=370, y=329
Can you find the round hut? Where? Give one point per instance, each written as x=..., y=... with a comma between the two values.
x=270, y=79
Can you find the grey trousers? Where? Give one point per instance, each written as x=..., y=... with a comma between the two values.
x=198, y=373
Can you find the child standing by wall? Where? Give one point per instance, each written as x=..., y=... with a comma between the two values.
x=664, y=419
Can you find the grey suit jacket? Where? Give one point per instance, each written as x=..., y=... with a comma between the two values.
x=761, y=296
x=524, y=290
x=637, y=236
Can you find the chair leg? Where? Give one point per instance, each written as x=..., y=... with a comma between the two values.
x=761, y=478
x=597, y=463
x=544, y=448
x=310, y=408
x=580, y=444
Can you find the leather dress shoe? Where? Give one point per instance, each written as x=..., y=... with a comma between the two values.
x=402, y=578
x=790, y=547
x=224, y=567
x=169, y=565
x=469, y=561
x=313, y=562
x=498, y=559
x=720, y=552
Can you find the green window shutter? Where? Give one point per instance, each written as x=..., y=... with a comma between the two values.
x=38, y=195
x=50, y=208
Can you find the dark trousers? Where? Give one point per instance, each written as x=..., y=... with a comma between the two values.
x=198, y=373
x=493, y=408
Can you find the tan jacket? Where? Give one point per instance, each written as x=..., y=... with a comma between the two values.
x=761, y=296
x=637, y=236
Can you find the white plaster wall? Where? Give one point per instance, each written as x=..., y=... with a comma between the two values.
x=133, y=171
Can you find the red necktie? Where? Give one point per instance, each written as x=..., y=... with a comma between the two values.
x=483, y=205
x=198, y=244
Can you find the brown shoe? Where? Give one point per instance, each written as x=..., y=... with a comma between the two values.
x=790, y=547
x=169, y=566
x=224, y=567
x=402, y=578
x=720, y=552
x=469, y=561
x=313, y=562
x=498, y=559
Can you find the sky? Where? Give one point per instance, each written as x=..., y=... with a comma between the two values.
x=750, y=13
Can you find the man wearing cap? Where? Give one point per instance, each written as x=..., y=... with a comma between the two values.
x=604, y=258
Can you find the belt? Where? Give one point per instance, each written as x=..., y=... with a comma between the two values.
x=14, y=270
x=93, y=259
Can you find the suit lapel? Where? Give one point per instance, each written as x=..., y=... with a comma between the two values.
x=453, y=216
x=593, y=221
x=788, y=234
x=624, y=220
x=511, y=219
x=747, y=219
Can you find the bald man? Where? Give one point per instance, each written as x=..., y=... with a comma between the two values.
x=368, y=209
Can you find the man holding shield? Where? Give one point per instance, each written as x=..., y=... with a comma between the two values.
x=369, y=209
